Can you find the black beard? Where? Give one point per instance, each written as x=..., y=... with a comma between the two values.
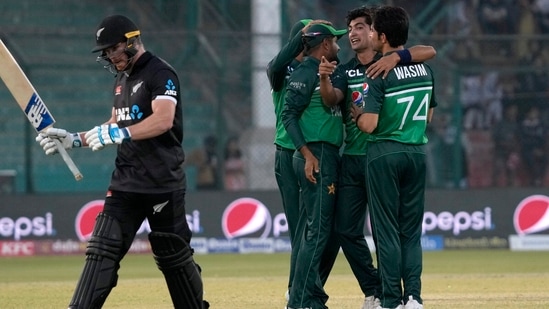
x=334, y=58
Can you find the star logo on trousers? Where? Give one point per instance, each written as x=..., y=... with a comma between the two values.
x=332, y=189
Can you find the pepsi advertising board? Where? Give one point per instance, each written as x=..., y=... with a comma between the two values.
x=253, y=221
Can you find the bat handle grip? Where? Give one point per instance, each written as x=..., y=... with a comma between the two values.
x=68, y=160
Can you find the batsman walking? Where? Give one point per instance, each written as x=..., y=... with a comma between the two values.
x=148, y=181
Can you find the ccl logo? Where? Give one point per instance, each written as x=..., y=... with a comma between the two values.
x=246, y=217
x=532, y=215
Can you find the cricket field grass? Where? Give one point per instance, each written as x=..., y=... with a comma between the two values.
x=451, y=280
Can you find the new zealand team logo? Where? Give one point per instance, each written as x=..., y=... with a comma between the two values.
x=85, y=219
x=532, y=215
x=246, y=217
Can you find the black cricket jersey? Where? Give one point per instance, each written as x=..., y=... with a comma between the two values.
x=152, y=165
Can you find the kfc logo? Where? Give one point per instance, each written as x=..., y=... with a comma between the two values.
x=532, y=215
x=246, y=217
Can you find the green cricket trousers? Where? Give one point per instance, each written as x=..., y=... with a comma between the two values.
x=350, y=217
x=318, y=201
x=396, y=194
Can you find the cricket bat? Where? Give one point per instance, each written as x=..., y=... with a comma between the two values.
x=30, y=102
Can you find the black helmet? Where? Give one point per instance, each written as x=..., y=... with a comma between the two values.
x=113, y=30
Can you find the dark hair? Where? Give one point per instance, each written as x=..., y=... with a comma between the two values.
x=393, y=22
x=363, y=11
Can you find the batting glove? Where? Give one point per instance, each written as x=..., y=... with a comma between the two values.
x=106, y=134
x=67, y=139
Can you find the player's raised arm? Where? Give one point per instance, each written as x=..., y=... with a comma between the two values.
x=416, y=53
x=276, y=68
x=330, y=95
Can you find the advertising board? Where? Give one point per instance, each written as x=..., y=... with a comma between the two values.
x=253, y=221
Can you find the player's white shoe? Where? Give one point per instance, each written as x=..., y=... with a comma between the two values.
x=371, y=302
x=413, y=304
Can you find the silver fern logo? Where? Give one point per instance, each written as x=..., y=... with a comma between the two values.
x=98, y=34
x=136, y=87
x=158, y=207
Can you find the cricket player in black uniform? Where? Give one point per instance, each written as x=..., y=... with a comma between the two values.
x=279, y=70
x=346, y=85
x=396, y=112
x=148, y=181
x=317, y=133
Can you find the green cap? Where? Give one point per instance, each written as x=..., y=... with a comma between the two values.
x=298, y=26
x=318, y=32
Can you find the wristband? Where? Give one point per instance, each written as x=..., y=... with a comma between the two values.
x=76, y=140
x=405, y=56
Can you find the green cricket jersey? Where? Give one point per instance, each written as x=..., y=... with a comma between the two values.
x=402, y=101
x=305, y=116
x=278, y=71
x=349, y=78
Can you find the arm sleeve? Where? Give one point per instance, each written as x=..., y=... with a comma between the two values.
x=298, y=96
x=276, y=69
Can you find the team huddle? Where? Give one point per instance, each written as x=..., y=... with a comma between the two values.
x=347, y=139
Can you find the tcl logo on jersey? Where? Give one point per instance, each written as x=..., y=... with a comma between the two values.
x=24, y=226
x=355, y=73
x=532, y=215
x=458, y=222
